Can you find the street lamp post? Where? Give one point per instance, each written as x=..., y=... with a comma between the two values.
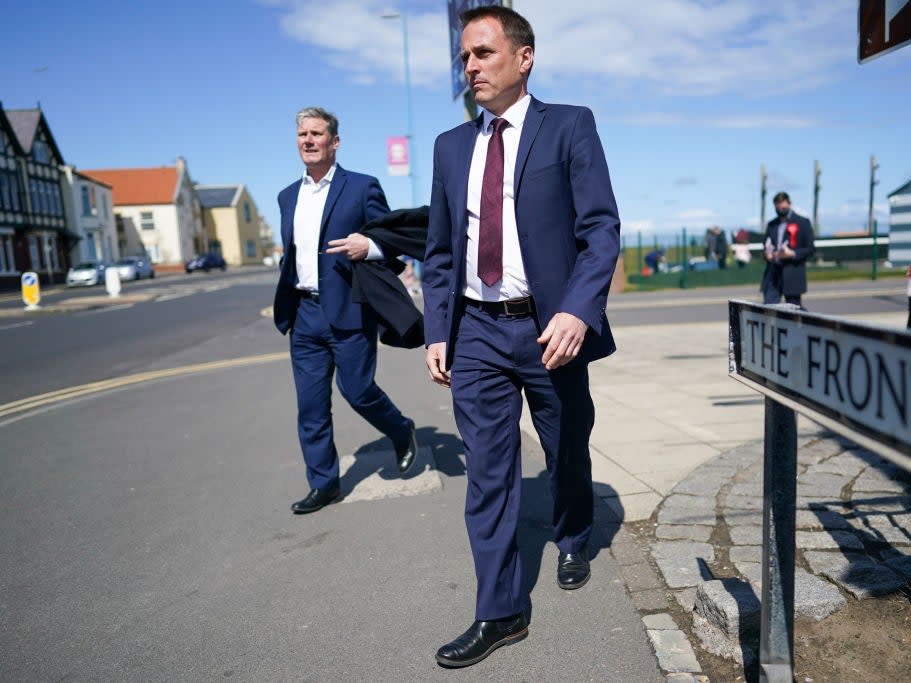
x=409, y=133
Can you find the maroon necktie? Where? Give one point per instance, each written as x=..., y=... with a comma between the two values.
x=490, y=235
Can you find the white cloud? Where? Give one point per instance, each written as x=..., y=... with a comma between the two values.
x=646, y=225
x=695, y=47
x=356, y=38
x=659, y=47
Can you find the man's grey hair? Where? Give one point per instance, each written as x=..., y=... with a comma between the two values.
x=319, y=113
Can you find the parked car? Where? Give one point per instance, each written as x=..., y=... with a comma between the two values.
x=86, y=274
x=134, y=268
x=205, y=262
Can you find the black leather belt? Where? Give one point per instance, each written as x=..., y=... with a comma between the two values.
x=513, y=308
x=307, y=294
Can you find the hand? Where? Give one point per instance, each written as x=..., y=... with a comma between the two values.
x=786, y=252
x=436, y=364
x=563, y=336
x=355, y=246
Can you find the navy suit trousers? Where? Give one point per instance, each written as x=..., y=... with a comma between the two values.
x=317, y=349
x=496, y=359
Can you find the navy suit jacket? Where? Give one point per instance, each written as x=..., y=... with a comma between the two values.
x=569, y=229
x=354, y=199
x=793, y=271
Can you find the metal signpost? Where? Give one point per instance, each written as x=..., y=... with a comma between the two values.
x=850, y=378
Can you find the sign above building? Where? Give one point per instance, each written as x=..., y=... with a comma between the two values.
x=850, y=377
x=456, y=7
x=883, y=26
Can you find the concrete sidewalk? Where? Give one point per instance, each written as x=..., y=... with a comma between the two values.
x=664, y=404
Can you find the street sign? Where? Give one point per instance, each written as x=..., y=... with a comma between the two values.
x=31, y=290
x=456, y=7
x=848, y=377
x=883, y=26
x=397, y=155
x=853, y=378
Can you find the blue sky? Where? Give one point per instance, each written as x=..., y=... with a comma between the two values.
x=690, y=96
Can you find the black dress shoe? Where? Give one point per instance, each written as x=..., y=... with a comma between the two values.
x=405, y=456
x=317, y=499
x=573, y=570
x=482, y=638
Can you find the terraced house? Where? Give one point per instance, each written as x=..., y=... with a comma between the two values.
x=157, y=212
x=34, y=235
x=232, y=223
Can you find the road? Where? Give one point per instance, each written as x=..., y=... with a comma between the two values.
x=48, y=352
x=147, y=534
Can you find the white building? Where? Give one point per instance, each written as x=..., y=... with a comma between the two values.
x=90, y=209
x=900, y=225
x=157, y=212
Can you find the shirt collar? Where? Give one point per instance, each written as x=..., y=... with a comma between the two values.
x=515, y=115
x=325, y=180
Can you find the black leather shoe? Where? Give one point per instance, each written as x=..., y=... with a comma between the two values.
x=317, y=499
x=481, y=639
x=406, y=455
x=573, y=570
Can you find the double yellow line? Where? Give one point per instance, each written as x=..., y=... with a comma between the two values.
x=32, y=402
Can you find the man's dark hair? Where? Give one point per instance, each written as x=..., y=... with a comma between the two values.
x=515, y=26
x=781, y=197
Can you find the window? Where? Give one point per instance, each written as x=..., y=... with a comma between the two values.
x=41, y=152
x=4, y=143
x=6, y=199
x=246, y=212
x=104, y=206
x=86, y=206
x=7, y=264
x=33, y=194
x=147, y=220
x=50, y=246
x=251, y=248
x=34, y=255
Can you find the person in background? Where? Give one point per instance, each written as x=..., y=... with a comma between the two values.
x=321, y=214
x=721, y=247
x=788, y=245
x=742, y=256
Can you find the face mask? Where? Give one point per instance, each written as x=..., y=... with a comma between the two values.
x=782, y=212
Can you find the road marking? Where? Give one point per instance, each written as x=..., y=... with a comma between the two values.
x=172, y=297
x=119, y=307
x=40, y=400
x=14, y=325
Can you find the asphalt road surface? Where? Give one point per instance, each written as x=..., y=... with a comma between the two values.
x=147, y=535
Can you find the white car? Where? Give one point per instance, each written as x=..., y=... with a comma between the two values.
x=134, y=268
x=86, y=274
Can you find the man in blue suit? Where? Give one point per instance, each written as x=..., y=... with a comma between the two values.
x=321, y=215
x=522, y=244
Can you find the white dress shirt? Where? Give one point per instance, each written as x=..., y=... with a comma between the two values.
x=308, y=218
x=514, y=283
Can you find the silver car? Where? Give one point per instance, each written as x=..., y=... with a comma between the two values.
x=86, y=274
x=134, y=268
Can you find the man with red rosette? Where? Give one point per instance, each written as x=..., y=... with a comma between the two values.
x=788, y=245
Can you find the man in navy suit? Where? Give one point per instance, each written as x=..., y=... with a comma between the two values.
x=522, y=244
x=321, y=215
x=788, y=245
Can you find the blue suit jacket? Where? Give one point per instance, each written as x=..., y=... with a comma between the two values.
x=354, y=199
x=569, y=229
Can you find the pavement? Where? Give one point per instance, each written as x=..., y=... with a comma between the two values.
x=170, y=552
